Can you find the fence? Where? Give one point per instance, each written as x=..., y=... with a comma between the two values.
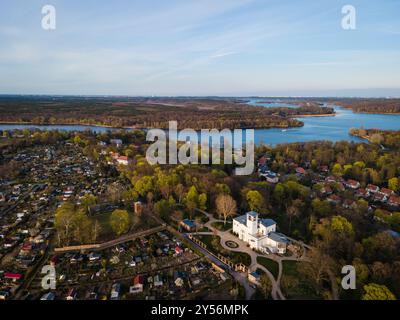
x=108, y=244
x=239, y=267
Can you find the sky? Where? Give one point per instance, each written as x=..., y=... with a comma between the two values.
x=200, y=47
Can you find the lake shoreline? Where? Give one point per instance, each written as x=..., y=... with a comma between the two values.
x=24, y=123
x=27, y=124
x=315, y=115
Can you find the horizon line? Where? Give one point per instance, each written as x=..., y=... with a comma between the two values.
x=195, y=96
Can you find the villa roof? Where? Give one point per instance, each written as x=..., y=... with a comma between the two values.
x=277, y=237
x=268, y=222
x=253, y=214
x=241, y=219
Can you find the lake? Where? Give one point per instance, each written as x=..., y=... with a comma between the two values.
x=333, y=128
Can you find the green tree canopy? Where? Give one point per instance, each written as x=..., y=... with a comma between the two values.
x=375, y=291
x=120, y=221
x=255, y=200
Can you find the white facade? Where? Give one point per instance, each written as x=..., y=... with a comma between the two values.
x=260, y=234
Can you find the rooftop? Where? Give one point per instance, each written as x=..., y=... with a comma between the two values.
x=253, y=214
x=241, y=219
x=278, y=237
x=268, y=222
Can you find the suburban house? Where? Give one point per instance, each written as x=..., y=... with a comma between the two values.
x=188, y=225
x=394, y=201
x=270, y=176
x=138, y=207
x=300, y=171
x=335, y=199
x=349, y=204
x=326, y=189
x=262, y=161
x=260, y=234
x=352, y=184
x=380, y=197
x=123, y=160
x=115, y=291
x=117, y=142
x=14, y=277
x=372, y=188
x=138, y=283
x=178, y=250
x=362, y=193
x=324, y=169
x=330, y=179
x=386, y=192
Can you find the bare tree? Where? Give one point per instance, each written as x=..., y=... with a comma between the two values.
x=96, y=230
x=292, y=211
x=317, y=269
x=226, y=206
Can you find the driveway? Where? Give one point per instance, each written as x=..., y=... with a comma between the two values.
x=225, y=236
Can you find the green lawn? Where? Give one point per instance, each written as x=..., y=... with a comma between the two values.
x=215, y=247
x=137, y=223
x=221, y=226
x=271, y=265
x=290, y=268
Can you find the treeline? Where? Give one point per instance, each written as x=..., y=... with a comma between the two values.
x=371, y=105
x=150, y=113
x=367, y=163
x=388, y=138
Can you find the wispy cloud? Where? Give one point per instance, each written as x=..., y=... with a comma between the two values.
x=195, y=46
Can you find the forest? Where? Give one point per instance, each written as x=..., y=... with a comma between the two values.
x=386, y=138
x=370, y=105
x=149, y=112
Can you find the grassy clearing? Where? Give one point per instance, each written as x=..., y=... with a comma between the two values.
x=290, y=268
x=214, y=245
x=271, y=265
x=221, y=226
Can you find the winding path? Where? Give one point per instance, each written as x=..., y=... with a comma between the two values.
x=225, y=236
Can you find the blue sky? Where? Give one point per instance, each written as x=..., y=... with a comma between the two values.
x=200, y=47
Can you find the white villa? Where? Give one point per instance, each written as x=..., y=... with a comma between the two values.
x=260, y=234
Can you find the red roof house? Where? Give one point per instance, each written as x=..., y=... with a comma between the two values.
x=394, y=201
x=372, y=188
x=300, y=170
x=13, y=276
x=387, y=192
